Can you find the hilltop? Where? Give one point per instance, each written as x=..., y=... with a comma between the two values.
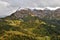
x=43, y=14
x=27, y=24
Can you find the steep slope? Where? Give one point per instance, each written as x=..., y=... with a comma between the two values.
x=27, y=25
x=43, y=14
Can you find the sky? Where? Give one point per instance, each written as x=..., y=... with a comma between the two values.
x=7, y=7
x=40, y=3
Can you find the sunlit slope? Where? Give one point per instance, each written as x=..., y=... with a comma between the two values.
x=28, y=28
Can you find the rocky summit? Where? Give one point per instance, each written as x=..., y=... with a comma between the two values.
x=43, y=14
x=28, y=24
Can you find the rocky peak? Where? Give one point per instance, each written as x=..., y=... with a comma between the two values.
x=46, y=13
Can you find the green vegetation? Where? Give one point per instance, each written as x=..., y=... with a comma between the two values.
x=29, y=28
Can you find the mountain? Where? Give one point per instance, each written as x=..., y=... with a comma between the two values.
x=43, y=14
x=27, y=24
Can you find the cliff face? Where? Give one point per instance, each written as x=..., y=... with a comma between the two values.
x=46, y=14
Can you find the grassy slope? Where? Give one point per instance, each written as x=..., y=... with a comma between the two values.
x=28, y=28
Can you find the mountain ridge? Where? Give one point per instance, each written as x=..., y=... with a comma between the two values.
x=48, y=14
x=31, y=25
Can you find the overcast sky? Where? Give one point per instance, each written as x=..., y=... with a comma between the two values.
x=9, y=6
x=40, y=3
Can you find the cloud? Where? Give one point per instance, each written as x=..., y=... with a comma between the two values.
x=3, y=6
x=2, y=3
x=40, y=3
x=9, y=6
